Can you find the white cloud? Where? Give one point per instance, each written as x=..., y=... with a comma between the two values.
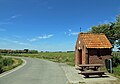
x=74, y=33
x=8, y=20
x=31, y=40
x=41, y=37
x=13, y=17
x=65, y=33
x=17, y=42
x=70, y=32
x=21, y=43
x=45, y=36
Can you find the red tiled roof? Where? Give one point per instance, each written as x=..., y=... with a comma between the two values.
x=95, y=40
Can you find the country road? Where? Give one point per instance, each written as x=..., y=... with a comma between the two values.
x=36, y=71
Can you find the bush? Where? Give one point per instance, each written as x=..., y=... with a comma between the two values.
x=1, y=64
x=117, y=70
x=116, y=61
x=5, y=62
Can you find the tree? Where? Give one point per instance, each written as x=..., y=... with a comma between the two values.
x=117, y=30
x=111, y=30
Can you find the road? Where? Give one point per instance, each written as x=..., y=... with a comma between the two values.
x=36, y=71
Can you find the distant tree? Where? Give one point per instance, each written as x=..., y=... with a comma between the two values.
x=26, y=50
x=33, y=51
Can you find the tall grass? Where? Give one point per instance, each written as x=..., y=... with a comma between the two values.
x=116, y=63
x=5, y=62
x=61, y=57
x=8, y=63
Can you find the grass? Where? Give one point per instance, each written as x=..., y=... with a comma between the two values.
x=116, y=71
x=60, y=57
x=16, y=62
x=63, y=57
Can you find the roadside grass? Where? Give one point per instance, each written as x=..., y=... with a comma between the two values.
x=60, y=57
x=16, y=62
x=116, y=71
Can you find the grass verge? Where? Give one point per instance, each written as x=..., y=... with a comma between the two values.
x=16, y=62
x=116, y=71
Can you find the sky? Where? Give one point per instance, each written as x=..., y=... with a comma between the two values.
x=51, y=25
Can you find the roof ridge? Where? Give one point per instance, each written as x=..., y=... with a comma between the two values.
x=93, y=33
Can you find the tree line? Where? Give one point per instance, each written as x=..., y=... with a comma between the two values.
x=5, y=51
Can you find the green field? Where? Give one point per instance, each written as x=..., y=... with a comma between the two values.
x=61, y=57
x=68, y=58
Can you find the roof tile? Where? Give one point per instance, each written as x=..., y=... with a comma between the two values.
x=91, y=40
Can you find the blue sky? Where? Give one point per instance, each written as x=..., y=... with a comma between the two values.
x=51, y=25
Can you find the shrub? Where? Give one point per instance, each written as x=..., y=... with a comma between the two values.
x=116, y=61
x=117, y=70
x=5, y=62
x=1, y=64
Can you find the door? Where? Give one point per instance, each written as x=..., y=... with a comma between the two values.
x=80, y=56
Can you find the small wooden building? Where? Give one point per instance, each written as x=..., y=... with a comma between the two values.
x=92, y=49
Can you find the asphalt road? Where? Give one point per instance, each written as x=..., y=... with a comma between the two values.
x=36, y=71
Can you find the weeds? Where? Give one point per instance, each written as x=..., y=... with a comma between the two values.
x=8, y=63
